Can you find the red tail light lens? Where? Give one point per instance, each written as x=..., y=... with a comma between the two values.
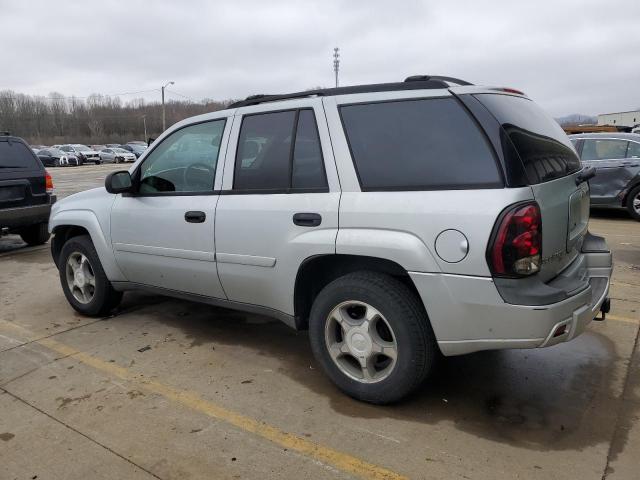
x=516, y=246
x=48, y=182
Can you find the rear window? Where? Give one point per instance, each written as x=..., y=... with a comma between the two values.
x=429, y=144
x=16, y=155
x=545, y=150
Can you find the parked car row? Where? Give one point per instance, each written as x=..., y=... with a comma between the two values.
x=76, y=154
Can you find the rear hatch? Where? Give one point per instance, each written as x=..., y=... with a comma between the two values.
x=22, y=176
x=539, y=147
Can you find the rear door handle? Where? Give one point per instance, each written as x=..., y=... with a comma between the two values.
x=307, y=219
x=195, y=217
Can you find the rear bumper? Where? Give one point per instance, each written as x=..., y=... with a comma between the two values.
x=14, y=218
x=468, y=314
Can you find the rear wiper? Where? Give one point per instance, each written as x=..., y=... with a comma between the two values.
x=585, y=174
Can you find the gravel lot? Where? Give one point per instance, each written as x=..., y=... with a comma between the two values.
x=168, y=389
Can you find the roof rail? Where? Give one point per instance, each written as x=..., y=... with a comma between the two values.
x=416, y=82
x=422, y=78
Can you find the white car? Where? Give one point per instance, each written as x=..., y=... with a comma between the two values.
x=116, y=155
x=84, y=153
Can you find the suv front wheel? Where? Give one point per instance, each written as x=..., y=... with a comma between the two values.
x=372, y=337
x=83, y=280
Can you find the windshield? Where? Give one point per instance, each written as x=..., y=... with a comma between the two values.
x=81, y=147
x=544, y=149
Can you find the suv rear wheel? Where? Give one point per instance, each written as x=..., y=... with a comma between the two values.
x=372, y=337
x=35, y=234
x=83, y=280
x=633, y=203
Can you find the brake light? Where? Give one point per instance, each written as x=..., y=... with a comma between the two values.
x=48, y=182
x=516, y=247
x=509, y=90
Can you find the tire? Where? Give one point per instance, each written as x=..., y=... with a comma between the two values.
x=101, y=298
x=408, y=328
x=35, y=234
x=98, y=162
x=634, y=196
x=56, y=162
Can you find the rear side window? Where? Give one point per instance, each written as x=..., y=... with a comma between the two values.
x=544, y=149
x=606, y=149
x=279, y=151
x=16, y=155
x=430, y=144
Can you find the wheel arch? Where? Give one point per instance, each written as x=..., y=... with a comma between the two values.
x=317, y=271
x=69, y=223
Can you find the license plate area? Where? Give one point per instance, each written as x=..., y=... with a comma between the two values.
x=579, y=203
x=13, y=193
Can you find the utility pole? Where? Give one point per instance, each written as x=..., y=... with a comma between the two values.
x=164, y=123
x=336, y=63
x=144, y=121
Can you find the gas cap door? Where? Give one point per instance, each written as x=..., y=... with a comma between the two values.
x=452, y=246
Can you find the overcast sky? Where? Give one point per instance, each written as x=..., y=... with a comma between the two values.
x=573, y=56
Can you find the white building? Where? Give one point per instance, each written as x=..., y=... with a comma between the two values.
x=624, y=119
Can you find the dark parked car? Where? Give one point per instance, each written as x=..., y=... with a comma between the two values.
x=136, y=149
x=26, y=191
x=616, y=158
x=54, y=157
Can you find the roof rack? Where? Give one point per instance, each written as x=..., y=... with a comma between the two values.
x=416, y=82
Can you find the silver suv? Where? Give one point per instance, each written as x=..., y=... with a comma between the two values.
x=394, y=221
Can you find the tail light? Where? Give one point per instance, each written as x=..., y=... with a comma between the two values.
x=515, y=249
x=48, y=182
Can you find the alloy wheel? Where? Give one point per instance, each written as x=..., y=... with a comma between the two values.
x=361, y=342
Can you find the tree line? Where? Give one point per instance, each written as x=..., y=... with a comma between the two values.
x=97, y=119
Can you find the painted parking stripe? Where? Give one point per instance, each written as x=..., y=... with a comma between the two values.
x=618, y=318
x=343, y=461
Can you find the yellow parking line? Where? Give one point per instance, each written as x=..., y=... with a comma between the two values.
x=618, y=318
x=194, y=401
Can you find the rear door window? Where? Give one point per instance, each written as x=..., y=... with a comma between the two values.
x=426, y=144
x=279, y=152
x=605, y=149
x=16, y=155
x=634, y=150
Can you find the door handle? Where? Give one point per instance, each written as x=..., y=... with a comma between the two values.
x=195, y=217
x=307, y=219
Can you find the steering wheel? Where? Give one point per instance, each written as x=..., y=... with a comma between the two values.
x=198, y=174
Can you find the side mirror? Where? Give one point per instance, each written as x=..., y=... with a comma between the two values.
x=118, y=182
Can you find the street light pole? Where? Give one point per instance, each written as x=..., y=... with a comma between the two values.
x=164, y=123
x=336, y=63
x=144, y=121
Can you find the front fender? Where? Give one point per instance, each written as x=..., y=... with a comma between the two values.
x=87, y=219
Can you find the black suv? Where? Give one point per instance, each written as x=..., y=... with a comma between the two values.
x=26, y=191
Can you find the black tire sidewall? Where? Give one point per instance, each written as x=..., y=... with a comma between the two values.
x=415, y=351
x=632, y=195
x=35, y=234
x=103, y=296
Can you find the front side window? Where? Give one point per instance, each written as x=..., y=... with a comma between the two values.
x=185, y=161
x=418, y=145
x=279, y=151
x=606, y=149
